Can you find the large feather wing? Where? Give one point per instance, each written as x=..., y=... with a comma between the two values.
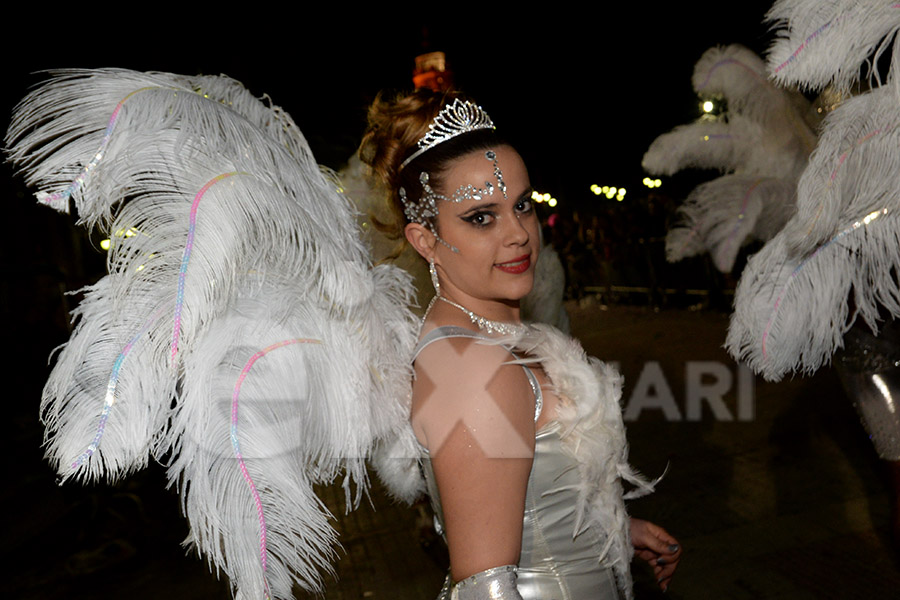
x=241, y=330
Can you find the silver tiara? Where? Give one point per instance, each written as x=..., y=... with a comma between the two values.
x=458, y=117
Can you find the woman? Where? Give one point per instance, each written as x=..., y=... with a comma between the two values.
x=522, y=460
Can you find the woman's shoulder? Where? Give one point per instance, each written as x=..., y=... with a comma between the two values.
x=462, y=381
x=462, y=355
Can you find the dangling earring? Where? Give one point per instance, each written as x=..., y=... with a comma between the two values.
x=434, y=277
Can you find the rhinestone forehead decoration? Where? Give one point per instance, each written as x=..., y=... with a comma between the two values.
x=426, y=210
x=456, y=118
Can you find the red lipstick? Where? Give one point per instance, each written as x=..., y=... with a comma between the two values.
x=516, y=266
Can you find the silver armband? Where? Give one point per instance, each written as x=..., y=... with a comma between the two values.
x=498, y=583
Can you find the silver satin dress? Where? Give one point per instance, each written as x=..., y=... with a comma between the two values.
x=552, y=565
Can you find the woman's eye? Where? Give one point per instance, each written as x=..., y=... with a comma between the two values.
x=524, y=206
x=481, y=219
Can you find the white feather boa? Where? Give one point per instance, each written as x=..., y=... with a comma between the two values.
x=592, y=433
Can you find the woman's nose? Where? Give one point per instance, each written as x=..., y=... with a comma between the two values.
x=517, y=231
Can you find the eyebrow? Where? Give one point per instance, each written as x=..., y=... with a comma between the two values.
x=479, y=207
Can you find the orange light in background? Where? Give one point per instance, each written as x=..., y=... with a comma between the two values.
x=431, y=72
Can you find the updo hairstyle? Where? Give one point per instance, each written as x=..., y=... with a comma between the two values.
x=394, y=128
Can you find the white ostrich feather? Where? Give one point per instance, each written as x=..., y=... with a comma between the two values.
x=791, y=314
x=823, y=43
x=721, y=215
x=853, y=171
x=763, y=132
x=323, y=407
x=396, y=462
x=704, y=144
x=738, y=145
x=229, y=244
x=792, y=306
x=738, y=74
x=733, y=70
x=837, y=259
x=761, y=145
x=114, y=359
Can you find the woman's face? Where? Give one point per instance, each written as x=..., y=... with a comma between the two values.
x=496, y=237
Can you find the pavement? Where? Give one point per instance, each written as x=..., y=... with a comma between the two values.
x=773, y=489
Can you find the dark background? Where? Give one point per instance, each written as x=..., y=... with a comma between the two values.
x=582, y=93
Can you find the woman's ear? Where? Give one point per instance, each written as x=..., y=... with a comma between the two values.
x=421, y=238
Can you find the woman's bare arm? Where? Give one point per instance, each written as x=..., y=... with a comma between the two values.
x=475, y=414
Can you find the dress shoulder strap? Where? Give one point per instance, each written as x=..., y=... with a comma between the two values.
x=447, y=331
x=452, y=331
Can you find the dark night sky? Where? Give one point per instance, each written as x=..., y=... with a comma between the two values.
x=581, y=93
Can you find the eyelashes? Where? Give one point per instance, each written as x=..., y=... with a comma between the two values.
x=480, y=219
x=484, y=218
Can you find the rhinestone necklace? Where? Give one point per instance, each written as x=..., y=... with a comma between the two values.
x=486, y=324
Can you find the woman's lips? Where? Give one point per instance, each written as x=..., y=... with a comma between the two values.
x=519, y=265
